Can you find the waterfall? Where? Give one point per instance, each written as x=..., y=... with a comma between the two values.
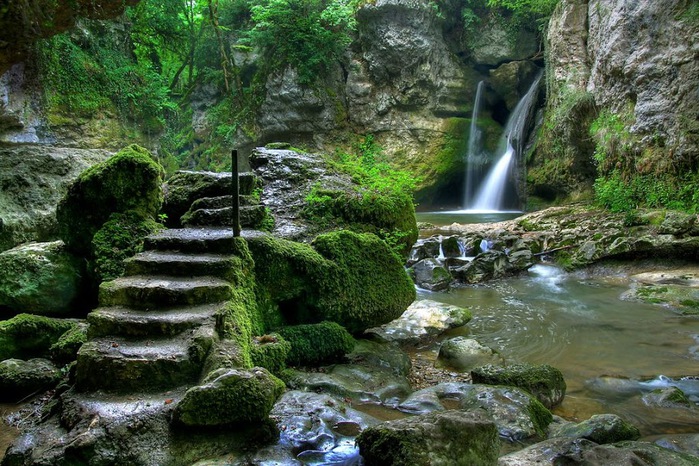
x=474, y=147
x=491, y=191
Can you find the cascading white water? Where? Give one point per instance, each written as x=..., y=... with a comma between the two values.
x=489, y=197
x=474, y=147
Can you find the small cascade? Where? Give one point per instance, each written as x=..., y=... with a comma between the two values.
x=490, y=196
x=474, y=148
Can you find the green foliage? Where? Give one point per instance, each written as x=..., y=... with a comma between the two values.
x=315, y=33
x=381, y=203
x=129, y=181
x=316, y=344
x=621, y=193
x=119, y=238
x=29, y=336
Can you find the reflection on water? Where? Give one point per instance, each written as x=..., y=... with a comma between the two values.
x=585, y=330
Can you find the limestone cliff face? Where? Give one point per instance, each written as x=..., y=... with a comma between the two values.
x=409, y=79
x=637, y=60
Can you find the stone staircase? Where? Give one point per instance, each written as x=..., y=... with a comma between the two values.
x=155, y=326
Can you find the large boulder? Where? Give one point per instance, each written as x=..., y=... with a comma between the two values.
x=600, y=428
x=466, y=353
x=314, y=344
x=129, y=181
x=230, y=397
x=19, y=379
x=545, y=382
x=41, y=278
x=422, y=321
x=436, y=439
x=26, y=336
x=34, y=178
x=431, y=274
x=352, y=279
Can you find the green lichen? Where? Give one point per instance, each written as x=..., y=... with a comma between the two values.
x=128, y=181
x=119, y=238
x=27, y=336
x=315, y=344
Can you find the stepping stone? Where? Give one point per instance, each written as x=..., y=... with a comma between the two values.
x=195, y=240
x=169, y=322
x=120, y=365
x=180, y=264
x=155, y=292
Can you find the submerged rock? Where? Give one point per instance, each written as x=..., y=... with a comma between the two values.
x=435, y=439
x=546, y=383
x=19, y=379
x=422, y=321
x=600, y=428
x=466, y=353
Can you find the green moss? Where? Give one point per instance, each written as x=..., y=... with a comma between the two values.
x=129, y=181
x=119, y=238
x=271, y=352
x=230, y=397
x=540, y=416
x=66, y=347
x=26, y=336
x=389, y=447
x=542, y=381
x=315, y=344
x=349, y=278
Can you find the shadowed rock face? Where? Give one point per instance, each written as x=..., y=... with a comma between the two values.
x=23, y=23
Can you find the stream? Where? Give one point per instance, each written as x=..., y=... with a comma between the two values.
x=610, y=351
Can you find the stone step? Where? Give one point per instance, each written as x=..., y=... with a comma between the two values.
x=220, y=202
x=124, y=321
x=180, y=264
x=195, y=240
x=119, y=365
x=154, y=292
x=250, y=216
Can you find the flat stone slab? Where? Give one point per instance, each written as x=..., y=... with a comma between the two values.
x=180, y=264
x=132, y=322
x=120, y=365
x=155, y=292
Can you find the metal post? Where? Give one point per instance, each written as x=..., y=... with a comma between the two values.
x=235, y=213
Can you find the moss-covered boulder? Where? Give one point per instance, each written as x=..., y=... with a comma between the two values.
x=231, y=397
x=440, y=438
x=65, y=349
x=349, y=278
x=118, y=239
x=40, y=278
x=314, y=344
x=19, y=379
x=28, y=336
x=129, y=181
x=271, y=352
x=545, y=382
x=600, y=428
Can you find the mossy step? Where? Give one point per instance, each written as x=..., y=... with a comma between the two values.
x=250, y=216
x=137, y=323
x=196, y=240
x=211, y=184
x=121, y=365
x=180, y=264
x=157, y=292
x=220, y=202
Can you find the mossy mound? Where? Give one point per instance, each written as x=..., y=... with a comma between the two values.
x=129, y=181
x=545, y=382
x=65, y=349
x=120, y=238
x=230, y=397
x=41, y=278
x=271, y=352
x=352, y=279
x=27, y=336
x=315, y=344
